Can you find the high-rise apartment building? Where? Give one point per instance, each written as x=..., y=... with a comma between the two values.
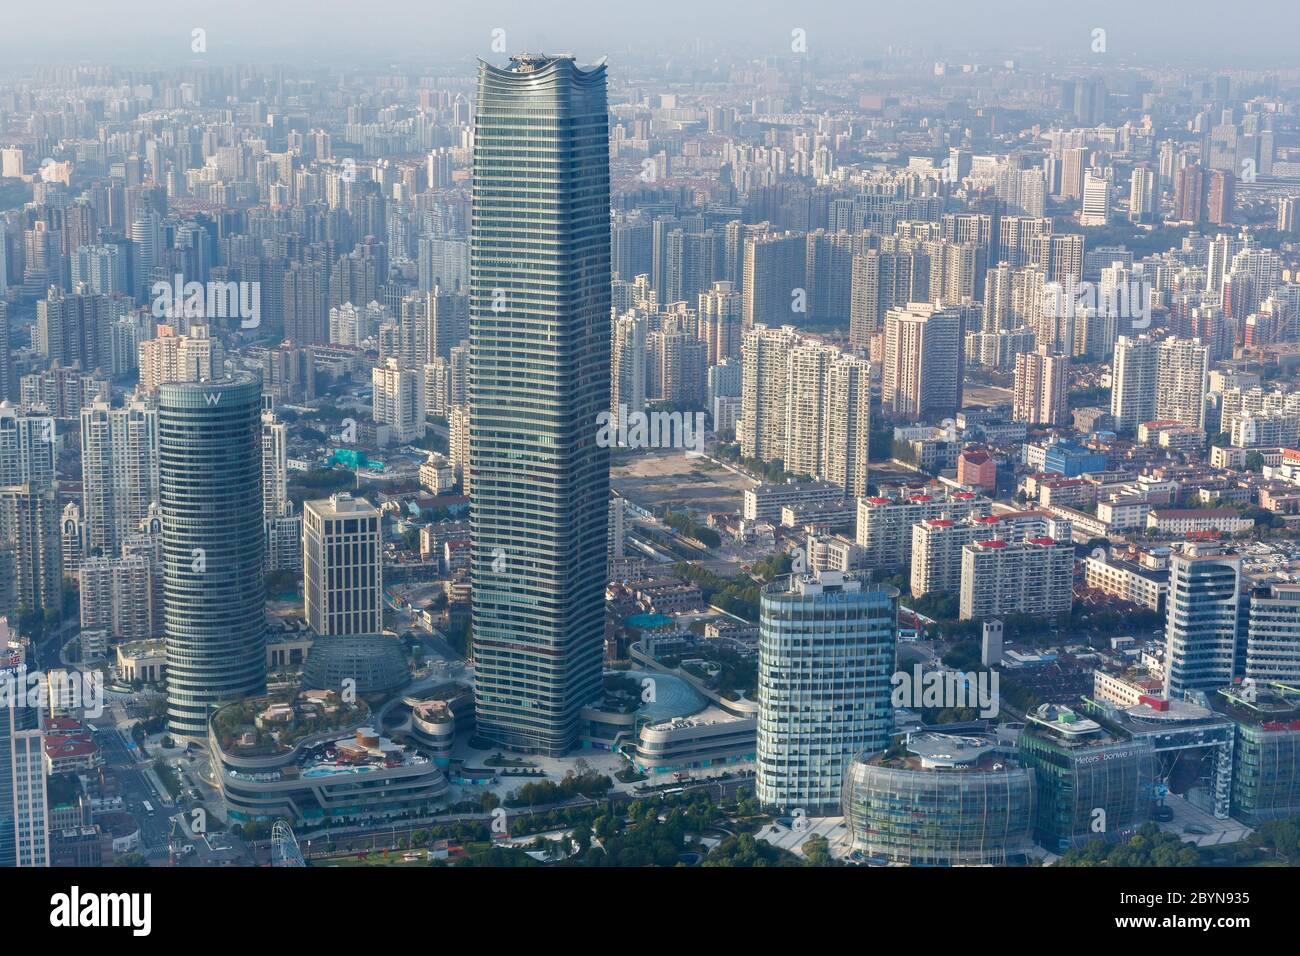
x=1073, y=169
x=27, y=443
x=539, y=377
x=1141, y=195
x=458, y=443
x=937, y=543
x=1182, y=369
x=74, y=329
x=924, y=362
x=774, y=276
x=1039, y=394
x=846, y=445
x=1035, y=576
x=397, y=399
x=884, y=527
x=720, y=318
x=1133, y=382
x=881, y=281
x=1095, y=210
x=1220, y=198
x=119, y=468
x=765, y=375
x=29, y=528
x=24, y=800
x=169, y=357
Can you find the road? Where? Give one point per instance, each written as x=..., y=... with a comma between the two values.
x=155, y=826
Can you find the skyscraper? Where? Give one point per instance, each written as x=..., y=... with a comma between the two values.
x=765, y=375
x=1141, y=196
x=29, y=527
x=24, y=810
x=539, y=377
x=27, y=443
x=1096, y=200
x=774, y=268
x=628, y=364
x=826, y=652
x=397, y=399
x=210, y=494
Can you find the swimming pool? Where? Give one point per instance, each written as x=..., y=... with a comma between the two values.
x=647, y=621
x=327, y=770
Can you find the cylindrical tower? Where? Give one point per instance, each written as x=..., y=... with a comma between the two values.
x=210, y=491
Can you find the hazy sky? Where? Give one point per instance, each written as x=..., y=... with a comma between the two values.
x=157, y=32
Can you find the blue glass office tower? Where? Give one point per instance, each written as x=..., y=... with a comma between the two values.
x=539, y=377
x=210, y=492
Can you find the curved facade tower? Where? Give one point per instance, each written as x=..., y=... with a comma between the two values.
x=826, y=646
x=539, y=376
x=210, y=491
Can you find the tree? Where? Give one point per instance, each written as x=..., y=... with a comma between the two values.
x=817, y=851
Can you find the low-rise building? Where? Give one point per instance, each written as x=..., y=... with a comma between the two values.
x=1175, y=521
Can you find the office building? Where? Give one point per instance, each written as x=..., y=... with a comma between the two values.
x=945, y=800
x=774, y=275
x=169, y=357
x=1204, y=646
x=826, y=653
x=539, y=377
x=343, y=574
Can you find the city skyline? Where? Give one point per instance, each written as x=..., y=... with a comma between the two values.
x=825, y=440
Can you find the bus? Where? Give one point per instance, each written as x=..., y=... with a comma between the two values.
x=148, y=807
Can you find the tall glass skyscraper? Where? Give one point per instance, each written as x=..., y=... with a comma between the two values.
x=24, y=810
x=825, y=656
x=210, y=491
x=539, y=376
